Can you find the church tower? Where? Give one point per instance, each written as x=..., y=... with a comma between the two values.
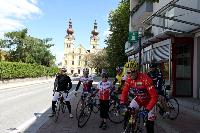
x=94, y=45
x=68, y=45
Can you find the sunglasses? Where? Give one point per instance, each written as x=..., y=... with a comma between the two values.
x=128, y=72
x=131, y=72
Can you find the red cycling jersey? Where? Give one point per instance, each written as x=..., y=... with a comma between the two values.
x=104, y=90
x=143, y=89
x=87, y=83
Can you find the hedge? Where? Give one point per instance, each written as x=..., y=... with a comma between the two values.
x=12, y=70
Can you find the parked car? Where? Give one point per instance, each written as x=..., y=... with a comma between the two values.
x=93, y=74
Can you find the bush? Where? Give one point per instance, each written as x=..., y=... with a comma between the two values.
x=12, y=70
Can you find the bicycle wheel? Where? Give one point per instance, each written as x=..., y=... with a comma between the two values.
x=63, y=107
x=128, y=129
x=116, y=115
x=57, y=112
x=78, y=108
x=173, y=107
x=84, y=116
x=95, y=106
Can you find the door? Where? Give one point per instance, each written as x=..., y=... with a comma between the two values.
x=183, y=67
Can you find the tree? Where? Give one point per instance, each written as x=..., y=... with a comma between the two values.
x=24, y=48
x=98, y=61
x=119, y=27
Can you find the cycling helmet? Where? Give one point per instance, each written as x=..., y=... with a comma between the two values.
x=132, y=65
x=119, y=68
x=153, y=65
x=63, y=69
x=104, y=73
x=85, y=70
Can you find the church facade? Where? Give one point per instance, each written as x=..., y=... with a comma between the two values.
x=77, y=57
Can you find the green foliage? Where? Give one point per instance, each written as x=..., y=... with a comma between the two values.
x=12, y=70
x=24, y=48
x=153, y=1
x=119, y=27
x=98, y=61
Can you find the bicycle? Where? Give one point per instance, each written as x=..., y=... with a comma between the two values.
x=171, y=105
x=60, y=105
x=83, y=102
x=136, y=121
x=116, y=113
x=85, y=112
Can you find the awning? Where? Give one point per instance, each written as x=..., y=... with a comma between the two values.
x=147, y=57
x=161, y=54
x=178, y=16
x=158, y=54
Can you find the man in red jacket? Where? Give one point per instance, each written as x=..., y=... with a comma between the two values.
x=142, y=88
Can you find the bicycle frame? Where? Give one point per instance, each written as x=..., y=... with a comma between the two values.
x=60, y=105
x=136, y=122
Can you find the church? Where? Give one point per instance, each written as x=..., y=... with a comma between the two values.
x=77, y=57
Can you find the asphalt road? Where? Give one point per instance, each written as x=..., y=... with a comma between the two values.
x=19, y=104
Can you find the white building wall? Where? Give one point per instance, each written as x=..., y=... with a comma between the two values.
x=177, y=13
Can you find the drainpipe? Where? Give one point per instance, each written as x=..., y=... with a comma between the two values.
x=170, y=65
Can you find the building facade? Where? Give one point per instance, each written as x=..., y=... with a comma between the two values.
x=77, y=57
x=170, y=38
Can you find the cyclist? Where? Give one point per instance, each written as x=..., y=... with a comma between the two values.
x=86, y=80
x=158, y=81
x=119, y=78
x=62, y=84
x=144, y=92
x=104, y=88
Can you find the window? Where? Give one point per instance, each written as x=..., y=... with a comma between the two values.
x=79, y=63
x=72, y=62
x=72, y=71
x=94, y=46
x=79, y=50
x=85, y=62
x=79, y=57
x=79, y=71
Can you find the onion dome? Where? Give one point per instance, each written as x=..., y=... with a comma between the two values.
x=95, y=32
x=70, y=30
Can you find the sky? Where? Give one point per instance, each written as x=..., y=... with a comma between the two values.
x=49, y=19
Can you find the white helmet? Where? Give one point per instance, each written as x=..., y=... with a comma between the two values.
x=85, y=70
x=64, y=69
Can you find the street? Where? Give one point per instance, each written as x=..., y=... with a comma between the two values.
x=19, y=104
x=26, y=108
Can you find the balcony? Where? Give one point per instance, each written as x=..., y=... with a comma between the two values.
x=139, y=13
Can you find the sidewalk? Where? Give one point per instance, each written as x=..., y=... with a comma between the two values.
x=27, y=81
x=187, y=122
x=68, y=125
x=23, y=82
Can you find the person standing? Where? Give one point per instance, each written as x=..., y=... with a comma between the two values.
x=62, y=84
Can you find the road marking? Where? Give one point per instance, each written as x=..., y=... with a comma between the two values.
x=33, y=120
x=20, y=95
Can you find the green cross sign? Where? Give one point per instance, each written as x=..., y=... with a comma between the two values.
x=133, y=37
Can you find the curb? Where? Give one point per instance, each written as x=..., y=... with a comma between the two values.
x=19, y=84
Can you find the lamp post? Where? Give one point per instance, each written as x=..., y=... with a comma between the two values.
x=140, y=46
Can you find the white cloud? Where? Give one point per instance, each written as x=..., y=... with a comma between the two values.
x=14, y=12
x=107, y=33
x=34, y=1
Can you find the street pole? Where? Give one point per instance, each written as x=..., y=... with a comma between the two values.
x=140, y=54
x=140, y=47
